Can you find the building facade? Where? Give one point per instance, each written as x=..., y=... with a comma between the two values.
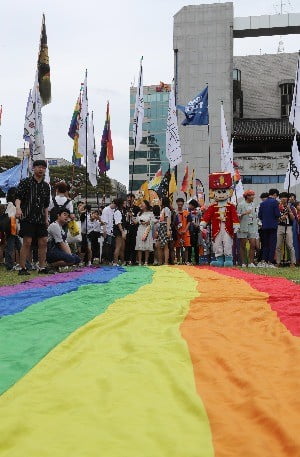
x=262, y=100
x=256, y=92
x=151, y=154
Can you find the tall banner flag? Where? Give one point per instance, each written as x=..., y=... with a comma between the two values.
x=38, y=97
x=33, y=126
x=185, y=181
x=138, y=117
x=91, y=152
x=106, y=145
x=200, y=194
x=156, y=180
x=83, y=120
x=196, y=111
x=74, y=132
x=44, y=67
x=191, y=183
x=295, y=108
x=173, y=149
x=226, y=148
x=292, y=177
x=163, y=188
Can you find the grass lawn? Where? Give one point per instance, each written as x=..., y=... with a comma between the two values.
x=8, y=278
x=11, y=277
x=289, y=273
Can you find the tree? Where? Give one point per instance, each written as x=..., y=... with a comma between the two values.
x=7, y=162
x=75, y=177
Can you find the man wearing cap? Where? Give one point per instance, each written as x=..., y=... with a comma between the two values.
x=248, y=227
x=32, y=201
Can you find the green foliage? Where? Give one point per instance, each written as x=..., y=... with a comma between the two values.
x=75, y=177
x=7, y=162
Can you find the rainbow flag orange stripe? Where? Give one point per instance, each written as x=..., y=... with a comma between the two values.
x=172, y=361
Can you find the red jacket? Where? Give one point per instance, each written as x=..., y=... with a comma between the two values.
x=212, y=216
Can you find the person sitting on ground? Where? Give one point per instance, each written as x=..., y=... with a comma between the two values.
x=59, y=253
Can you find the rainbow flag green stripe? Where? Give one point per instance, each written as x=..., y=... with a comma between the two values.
x=26, y=337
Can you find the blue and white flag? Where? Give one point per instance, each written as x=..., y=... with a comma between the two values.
x=196, y=111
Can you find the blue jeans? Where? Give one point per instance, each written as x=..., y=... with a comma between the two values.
x=55, y=254
x=269, y=238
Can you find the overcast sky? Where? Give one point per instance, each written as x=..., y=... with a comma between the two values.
x=107, y=37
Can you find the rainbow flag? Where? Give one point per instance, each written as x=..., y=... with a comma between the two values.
x=107, y=152
x=156, y=180
x=141, y=361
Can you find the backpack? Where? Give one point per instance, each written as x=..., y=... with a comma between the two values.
x=56, y=208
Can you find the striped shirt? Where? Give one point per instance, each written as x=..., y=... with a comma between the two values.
x=35, y=198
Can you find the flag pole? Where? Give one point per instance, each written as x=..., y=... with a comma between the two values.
x=208, y=132
x=291, y=155
x=136, y=127
x=86, y=170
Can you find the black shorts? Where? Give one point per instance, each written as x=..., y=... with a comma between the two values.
x=32, y=230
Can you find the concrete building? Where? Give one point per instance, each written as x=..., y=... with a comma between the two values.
x=118, y=189
x=22, y=153
x=151, y=154
x=255, y=91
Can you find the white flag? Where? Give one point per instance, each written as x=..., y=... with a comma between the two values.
x=295, y=108
x=83, y=120
x=225, y=146
x=39, y=145
x=292, y=177
x=47, y=173
x=91, y=153
x=139, y=111
x=173, y=151
x=33, y=126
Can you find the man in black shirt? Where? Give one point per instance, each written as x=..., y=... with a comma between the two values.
x=32, y=201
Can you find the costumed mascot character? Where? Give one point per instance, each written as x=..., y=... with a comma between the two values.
x=222, y=216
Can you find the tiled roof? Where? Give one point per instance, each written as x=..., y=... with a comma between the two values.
x=262, y=129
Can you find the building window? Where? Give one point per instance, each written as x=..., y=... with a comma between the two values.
x=138, y=169
x=286, y=92
x=136, y=184
x=138, y=155
x=263, y=179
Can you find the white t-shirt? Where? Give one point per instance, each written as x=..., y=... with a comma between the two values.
x=108, y=219
x=60, y=200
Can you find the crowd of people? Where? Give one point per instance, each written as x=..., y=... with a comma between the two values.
x=50, y=233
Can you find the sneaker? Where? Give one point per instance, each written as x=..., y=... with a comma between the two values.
x=262, y=264
x=46, y=271
x=243, y=265
x=271, y=265
x=251, y=265
x=115, y=264
x=23, y=272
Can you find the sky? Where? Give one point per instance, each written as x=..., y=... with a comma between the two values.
x=108, y=38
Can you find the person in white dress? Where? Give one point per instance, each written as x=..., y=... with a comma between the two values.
x=144, y=238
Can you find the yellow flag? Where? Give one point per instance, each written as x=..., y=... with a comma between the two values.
x=172, y=184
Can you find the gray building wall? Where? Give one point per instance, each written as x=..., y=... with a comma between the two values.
x=203, y=45
x=260, y=77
